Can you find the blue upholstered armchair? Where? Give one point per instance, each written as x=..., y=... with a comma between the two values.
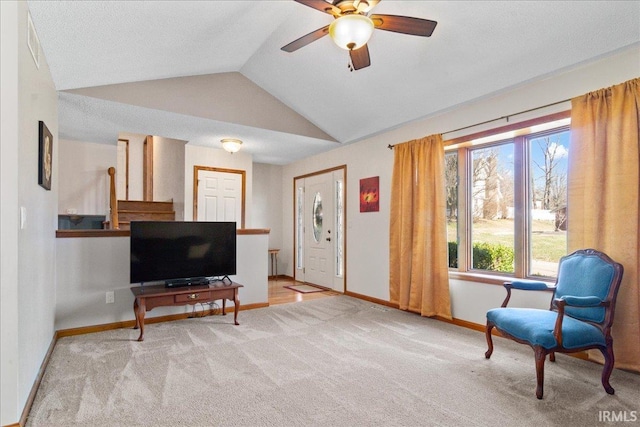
x=580, y=316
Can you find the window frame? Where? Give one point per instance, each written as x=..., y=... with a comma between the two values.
x=519, y=134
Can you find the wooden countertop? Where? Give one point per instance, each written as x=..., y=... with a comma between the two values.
x=125, y=233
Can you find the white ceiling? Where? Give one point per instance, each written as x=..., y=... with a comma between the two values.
x=477, y=49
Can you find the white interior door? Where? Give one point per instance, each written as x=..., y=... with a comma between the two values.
x=219, y=196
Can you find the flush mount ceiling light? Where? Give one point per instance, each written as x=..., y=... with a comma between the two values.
x=232, y=145
x=351, y=32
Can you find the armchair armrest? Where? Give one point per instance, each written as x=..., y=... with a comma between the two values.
x=582, y=301
x=529, y=285
x=573, y=301
x=525, y=285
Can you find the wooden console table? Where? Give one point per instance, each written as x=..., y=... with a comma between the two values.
x=151, y=296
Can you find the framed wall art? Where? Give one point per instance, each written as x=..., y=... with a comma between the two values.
x=370, y=194
x=45, y=156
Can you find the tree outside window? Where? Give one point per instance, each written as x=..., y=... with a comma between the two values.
x=492, y=230
x=548, y=202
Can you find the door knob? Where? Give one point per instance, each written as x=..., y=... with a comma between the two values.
x=328, y=239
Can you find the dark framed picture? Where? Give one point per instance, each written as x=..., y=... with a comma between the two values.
x=45, y=156
x=370, y=194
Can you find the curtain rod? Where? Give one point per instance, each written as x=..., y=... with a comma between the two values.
x=390, y=146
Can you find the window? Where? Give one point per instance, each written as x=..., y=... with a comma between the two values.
x=507, y=200
x=451, y=182
x=300, y=227
x=339, y=240
x=547, y=202
x=492, y=228
x=317, y=217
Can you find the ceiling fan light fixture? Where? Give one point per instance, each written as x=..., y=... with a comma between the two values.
x=231, y=145
x=351, y=31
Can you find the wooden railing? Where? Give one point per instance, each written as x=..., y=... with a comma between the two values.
x=113, y=200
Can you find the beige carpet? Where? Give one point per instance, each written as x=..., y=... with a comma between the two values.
x=335, y=361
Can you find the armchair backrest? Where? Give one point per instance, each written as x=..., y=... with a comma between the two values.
x=588, y=272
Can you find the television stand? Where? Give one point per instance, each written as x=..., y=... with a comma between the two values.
x=149, y=297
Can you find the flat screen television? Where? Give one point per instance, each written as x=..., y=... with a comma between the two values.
x=182, y=253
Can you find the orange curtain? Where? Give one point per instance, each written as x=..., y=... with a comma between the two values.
x=603, y=200
x=419, y=272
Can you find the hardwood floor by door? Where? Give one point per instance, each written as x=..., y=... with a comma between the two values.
x=278, y=294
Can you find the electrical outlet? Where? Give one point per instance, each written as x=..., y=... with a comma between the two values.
x=111, y=298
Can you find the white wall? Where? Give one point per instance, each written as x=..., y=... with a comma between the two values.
x=9, y=134
x=36, y=245
x=28, y=273
x=196, y=155
x=84, y=182
x=368, y=233
x=89, y=267
x=168, y=172
x=470, y=301
x=267, y=201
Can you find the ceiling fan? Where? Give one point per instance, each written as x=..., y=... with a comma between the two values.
x=353, y=26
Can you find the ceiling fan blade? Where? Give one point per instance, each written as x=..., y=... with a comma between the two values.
x=305, y=40
x=322, y=6
x=404, y=24
x=360, y=57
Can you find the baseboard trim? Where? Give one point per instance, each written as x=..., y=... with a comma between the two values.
x=463, y=323
x=36, y=384
x=148, y=321
x=254, y=306
x=371, y=299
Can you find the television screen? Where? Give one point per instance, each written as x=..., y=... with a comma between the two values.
x=182, y=253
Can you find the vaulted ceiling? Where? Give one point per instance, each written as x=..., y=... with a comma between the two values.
x=204, y=70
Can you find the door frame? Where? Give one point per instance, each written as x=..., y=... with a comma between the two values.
x=343, y=168
x=126, y=167
x=197, y=169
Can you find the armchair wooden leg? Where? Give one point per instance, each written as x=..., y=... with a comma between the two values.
x=540, y=356
x=608, y=367
x=488, y=353
x=552, y=356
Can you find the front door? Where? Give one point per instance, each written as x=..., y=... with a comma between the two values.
x=220, y=195
x=320, y=229
x=319, y=226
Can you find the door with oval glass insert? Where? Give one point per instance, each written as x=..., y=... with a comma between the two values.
x=320, y=230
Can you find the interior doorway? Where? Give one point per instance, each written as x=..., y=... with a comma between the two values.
x=320, y=232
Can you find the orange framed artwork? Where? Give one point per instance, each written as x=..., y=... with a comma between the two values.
x=370, y=194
